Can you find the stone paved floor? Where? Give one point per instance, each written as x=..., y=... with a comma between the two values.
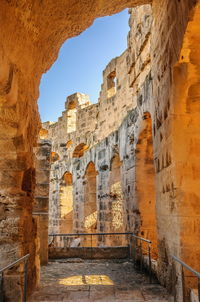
x=96, y=281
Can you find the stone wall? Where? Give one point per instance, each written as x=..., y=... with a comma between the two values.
x=164, y=80
x=88, y=253
x=95, y=124
x=146, y=153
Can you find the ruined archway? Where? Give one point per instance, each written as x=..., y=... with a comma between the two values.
x=90, y=201
x=66, y=204
x=80, y=150
x=69, y=144
x=19, y=81
x=116, y=206
x=43, y=134
x=24, y=57
x=145, y=192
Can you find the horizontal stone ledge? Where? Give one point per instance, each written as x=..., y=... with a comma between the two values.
x=89, y=252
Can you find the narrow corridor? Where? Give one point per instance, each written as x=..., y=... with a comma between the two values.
x=96, y=281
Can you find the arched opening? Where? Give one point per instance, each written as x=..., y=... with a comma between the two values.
x=90, y=203
x=54, y=157
x=43, y=134
x=80, y=150
x=116, y=201
x=20, y=130
x=111, y=84
x=145, y=184
x=66, y=203
x=19, y=83
x=71, y=105
x=69, y=143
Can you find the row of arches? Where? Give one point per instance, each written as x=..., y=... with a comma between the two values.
x=144, y=198
x=183, y=181
x=78, y=152
x=91, y=207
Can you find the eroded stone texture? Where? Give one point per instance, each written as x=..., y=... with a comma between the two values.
x=162, y=63
x=147, y=66
x=103, y=136
x=29, y=45
x=41, y=200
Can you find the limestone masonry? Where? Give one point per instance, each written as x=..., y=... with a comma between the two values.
x=130, y=162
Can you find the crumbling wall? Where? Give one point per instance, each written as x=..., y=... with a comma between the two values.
x=96, y=122
x=145, y=72
x=93, y=123
x=30, y=44
x=115, y=102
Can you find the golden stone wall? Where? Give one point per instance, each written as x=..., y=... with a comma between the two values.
x=164, y=83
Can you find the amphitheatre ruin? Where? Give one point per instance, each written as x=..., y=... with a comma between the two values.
x=102, y=204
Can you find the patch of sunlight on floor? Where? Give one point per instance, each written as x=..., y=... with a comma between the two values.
x=86, y=280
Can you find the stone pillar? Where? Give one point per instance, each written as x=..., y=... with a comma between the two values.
x=18, y=229
x=41, y=204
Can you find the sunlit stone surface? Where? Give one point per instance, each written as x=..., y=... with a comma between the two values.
x=155, y=80
x=89, y=281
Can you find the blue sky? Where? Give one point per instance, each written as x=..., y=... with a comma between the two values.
x=80, y=64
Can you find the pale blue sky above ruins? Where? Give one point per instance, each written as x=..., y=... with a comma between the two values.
x=81, y=62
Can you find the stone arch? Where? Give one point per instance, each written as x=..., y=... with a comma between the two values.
x=19, y=87
x=90, y=199
x=66, y=203
x=145, y=192
x=69, y=143
x=80, y=150
x=116, y=206
x=18, y=131
x=44, y=133
x=71, y=105
x=111, y=84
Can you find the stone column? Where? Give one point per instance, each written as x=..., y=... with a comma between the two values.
x=41, y=203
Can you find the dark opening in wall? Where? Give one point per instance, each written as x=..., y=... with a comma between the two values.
x=111, y=84
x=80, y=150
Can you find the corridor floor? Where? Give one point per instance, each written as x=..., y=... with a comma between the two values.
x=96, y=281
